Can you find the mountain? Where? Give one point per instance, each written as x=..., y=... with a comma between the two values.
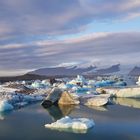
x=116, y=69
x=22, y=77
x=90, y=71
x=108, y=70
x=70, y=71
x=62, y=71
x=135, y=71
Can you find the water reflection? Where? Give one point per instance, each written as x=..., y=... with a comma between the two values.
x=78, y=131
x=59, y=111
x=98, y=108
x=2, y=117
x=135, y=103
x=4, y=114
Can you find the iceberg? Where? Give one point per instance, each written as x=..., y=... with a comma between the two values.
x=32, y=98
x=103, y=83
x=80, y=80
x=63, y=86
x=37, y=84
x=138, y=82
x=5, y=106
x=127, y=92
x=6, y=89
x=45, y=82
x=96, y=101
x=79, y=89
x=120, y=84
x=76, y=125
x=68, y=99
x=21, y=104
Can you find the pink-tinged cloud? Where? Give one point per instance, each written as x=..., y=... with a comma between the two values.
x=100, y=48
x=51, y=17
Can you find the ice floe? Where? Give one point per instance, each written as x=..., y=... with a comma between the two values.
x=21, y=93
x=128, y=92
x=80, y=80
x=76, y=125
x=138, y=82
x=5, y=106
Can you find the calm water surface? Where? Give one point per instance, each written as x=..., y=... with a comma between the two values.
x=115, y=122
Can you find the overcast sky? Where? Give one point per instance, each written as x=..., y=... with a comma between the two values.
x=48, y=33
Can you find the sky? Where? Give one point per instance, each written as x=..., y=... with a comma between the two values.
x=47, y=33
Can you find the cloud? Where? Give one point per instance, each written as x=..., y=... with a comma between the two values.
x=100, y=48
x=30, y=32
x=51, y=17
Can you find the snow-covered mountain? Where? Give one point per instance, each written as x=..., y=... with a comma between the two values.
x=62, y=71
x=105, y=70
x=116, y=69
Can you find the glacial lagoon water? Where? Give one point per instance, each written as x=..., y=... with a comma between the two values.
x=120, y=121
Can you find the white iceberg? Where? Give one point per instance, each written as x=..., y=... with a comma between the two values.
x=78, y=80
x=38, y=84
x=94, y=100
x=97, y=101
x=128, y=92
x=138, y=82
x=5, y=106
x=45, y=82
x=76, y=125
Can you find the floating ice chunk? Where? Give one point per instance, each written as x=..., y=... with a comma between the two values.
x=79, y=80
x=127, y=92
x=120, y=84
x=45, y=82
x=21, y=104
x=31, y=98
x=91, y=82
x=79, y=89
x=37, y=84
x=5, y=106
x=76, y=125
x=138, y=82
x=97, y=101
x=28, y=98
x=16, y=98
x=104, y=83
x=23, y=82
x=62, y=86
x=7, y=89
x=82, y=89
